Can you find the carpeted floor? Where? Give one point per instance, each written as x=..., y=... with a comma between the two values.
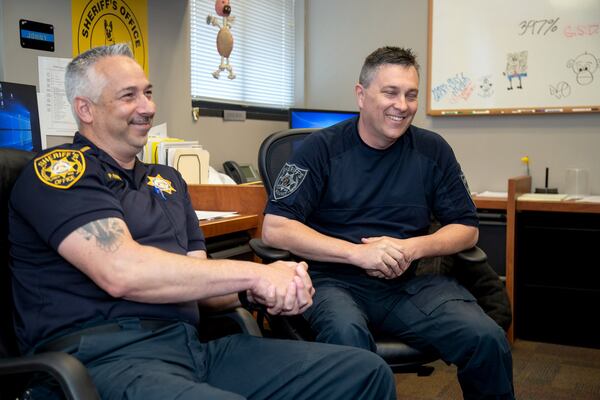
x=541, y=371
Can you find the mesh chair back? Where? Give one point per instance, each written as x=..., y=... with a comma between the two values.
x=11, y=163
x=275, y=150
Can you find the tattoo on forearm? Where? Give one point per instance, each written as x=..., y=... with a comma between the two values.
x=108, y=233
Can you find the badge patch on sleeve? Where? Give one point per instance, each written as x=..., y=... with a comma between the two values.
x=288, y=181
x=60, y=168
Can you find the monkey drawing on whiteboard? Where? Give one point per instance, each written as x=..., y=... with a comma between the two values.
x=584, y=66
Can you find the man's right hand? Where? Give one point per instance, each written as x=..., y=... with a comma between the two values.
x=284, y=287
x=380, y=257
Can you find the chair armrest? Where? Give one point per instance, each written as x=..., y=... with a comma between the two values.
x=70, y=373
x=472, y=255
x=267, y=253
x=239, y=315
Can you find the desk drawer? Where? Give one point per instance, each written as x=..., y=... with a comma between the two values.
x=555, y=315
x=558, y=250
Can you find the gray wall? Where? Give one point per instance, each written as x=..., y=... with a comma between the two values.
x=341, y=33
x=338, y=35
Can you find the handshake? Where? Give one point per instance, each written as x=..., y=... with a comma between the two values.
x=283, y=287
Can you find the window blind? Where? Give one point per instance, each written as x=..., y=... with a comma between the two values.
x=262, y=57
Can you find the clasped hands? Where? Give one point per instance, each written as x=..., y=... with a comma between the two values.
x=383, y=256
x=284, y=287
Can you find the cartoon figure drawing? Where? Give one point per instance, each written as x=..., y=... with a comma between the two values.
x=562, y=89
x=485, y=87
x=584, y=66
x=108, y=29
x=516, y=67
x=224, y=37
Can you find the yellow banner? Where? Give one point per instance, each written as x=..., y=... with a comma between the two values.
x=106, y=22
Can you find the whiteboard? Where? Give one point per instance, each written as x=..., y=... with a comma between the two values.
x=513, y=57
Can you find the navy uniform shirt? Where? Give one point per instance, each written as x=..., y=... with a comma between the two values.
x=65, y=188
x=341, y=187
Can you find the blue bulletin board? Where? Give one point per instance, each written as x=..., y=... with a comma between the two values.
x=507, y=57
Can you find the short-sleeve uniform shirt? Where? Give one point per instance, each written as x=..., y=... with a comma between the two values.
x=65, y=188
x=341, y=187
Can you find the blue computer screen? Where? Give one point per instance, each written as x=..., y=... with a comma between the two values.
x=304, y=118
x=19, y=120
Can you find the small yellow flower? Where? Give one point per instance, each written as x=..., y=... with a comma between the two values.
x=525, y=161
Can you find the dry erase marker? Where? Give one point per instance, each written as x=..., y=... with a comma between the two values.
x=583, y=109
x=450, y=112
x=480, y=112
x=553, y=110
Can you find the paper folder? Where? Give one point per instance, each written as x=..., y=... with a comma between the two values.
x=192, y=164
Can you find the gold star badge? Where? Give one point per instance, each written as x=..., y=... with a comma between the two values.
x=162, y=184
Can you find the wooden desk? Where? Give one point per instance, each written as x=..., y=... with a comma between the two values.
x=489, y=203
x=224, y=226
x=514, y=206
x=555, y=272
x=566, y=206
x=249, y=201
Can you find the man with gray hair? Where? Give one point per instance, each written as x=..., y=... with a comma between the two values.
x=109, y=264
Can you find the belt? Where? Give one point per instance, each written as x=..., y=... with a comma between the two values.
x=72, y=339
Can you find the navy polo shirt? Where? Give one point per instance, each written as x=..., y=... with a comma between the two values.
x=341, y=187
x=65, y=188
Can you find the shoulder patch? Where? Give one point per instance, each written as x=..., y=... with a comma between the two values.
x=60, y=168
x=288, y=181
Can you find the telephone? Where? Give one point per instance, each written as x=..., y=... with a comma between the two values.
x=240, y=173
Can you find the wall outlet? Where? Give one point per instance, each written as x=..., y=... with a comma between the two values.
x=234, y=115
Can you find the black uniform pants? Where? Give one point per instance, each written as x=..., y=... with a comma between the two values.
x=430, y=312
x=171, y=363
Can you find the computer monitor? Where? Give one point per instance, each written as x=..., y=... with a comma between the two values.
x=19, y=119
x=310, y=118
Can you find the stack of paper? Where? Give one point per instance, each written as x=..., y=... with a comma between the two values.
x=496, y=195
x=210, y=215
x=542, y=197
x=590, y=199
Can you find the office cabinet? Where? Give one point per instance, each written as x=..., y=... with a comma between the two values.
x=557, y=277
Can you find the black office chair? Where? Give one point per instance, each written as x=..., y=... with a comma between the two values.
x=469, y=267
x=16, y=369
x=273, y=153
x=67, y=370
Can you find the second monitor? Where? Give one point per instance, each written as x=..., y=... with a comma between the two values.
x=312, y=118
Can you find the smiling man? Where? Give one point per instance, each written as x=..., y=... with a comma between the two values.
x=109, y=264
x=360, y=211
